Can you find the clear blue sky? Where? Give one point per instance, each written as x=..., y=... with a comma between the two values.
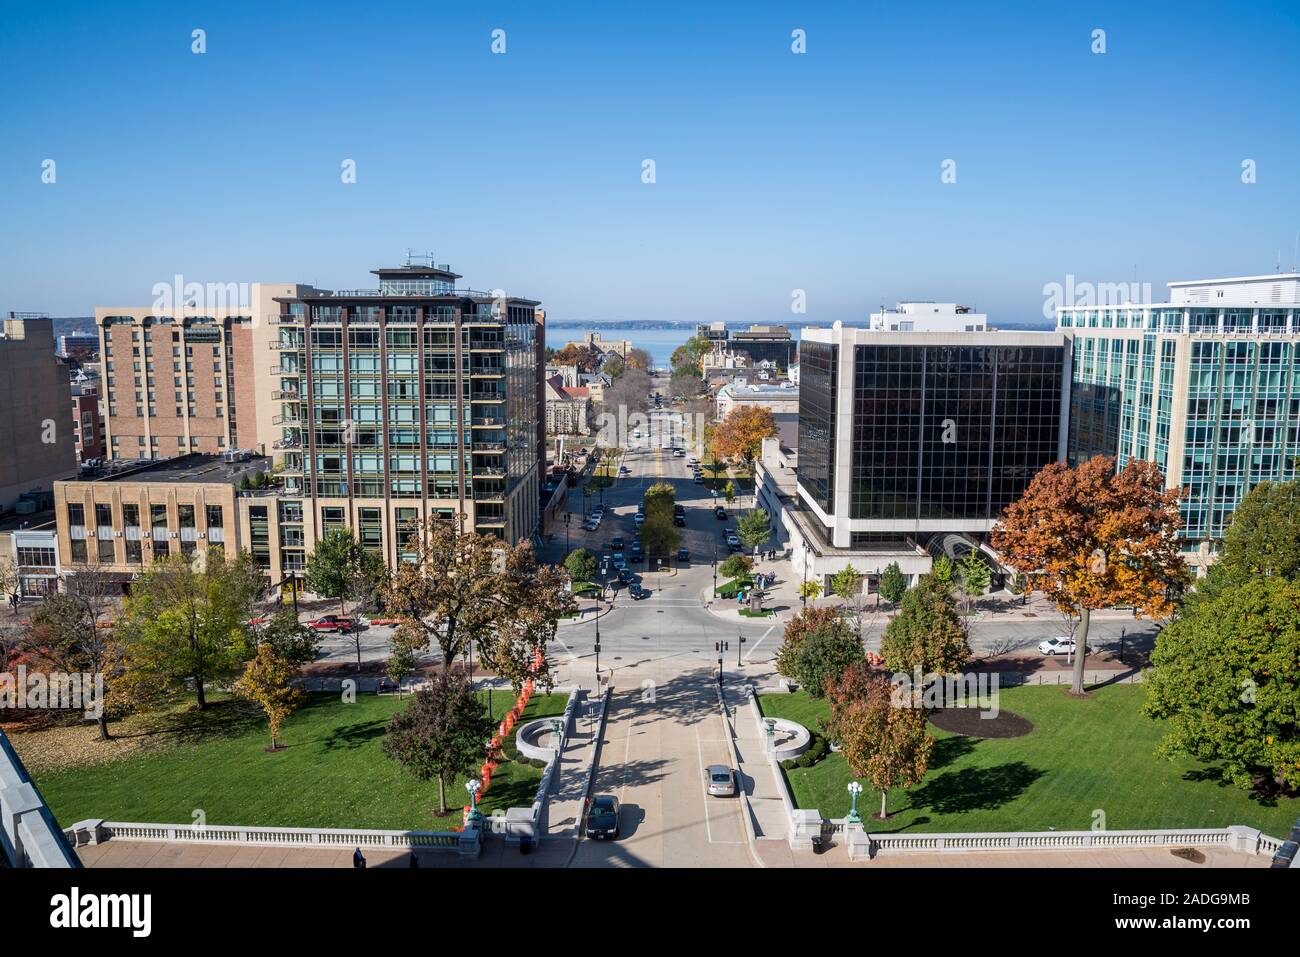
x=775, y=171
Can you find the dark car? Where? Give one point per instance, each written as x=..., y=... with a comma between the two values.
x=602, y=817
x=683, y=554
x=636, y=591
x=679, y=521
x=636, y=554
x=719, y=513
x=624, y=576
x=616, y=545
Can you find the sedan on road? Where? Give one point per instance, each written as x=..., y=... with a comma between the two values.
x=720, y=780
x=719, y=513
x=1061, y=645
x=683, y=554
x=602, y=817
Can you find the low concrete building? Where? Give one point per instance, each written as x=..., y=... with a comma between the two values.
x=124, y=519
x=568, y=408
x=775, y=397
x=29, y=546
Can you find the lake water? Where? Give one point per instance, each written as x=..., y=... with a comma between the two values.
x=660, y=343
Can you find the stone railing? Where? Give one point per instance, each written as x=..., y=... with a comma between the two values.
x=29, y=835
x=862, y=844
x=96, y=832
x=774, y=766
x=530, y=822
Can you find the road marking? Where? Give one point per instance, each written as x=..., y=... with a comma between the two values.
x=759, y=642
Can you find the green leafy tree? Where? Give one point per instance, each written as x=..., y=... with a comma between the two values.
x=797, y=628
x=659, y=532
x=404, y=650
x=942, y=571
x=885, y=744
x=974, y=575
x=729, y=492
x=847, y=583
x=288, y=637
x=810, y=590
x=893, y=584
x=341, y=568
x=1226, y=681
x=268, y=681
x=927, y=634
x=822, y=656
x=182, y=625
x=1263, y=537
x=737, y=565
x=441, y=733
x=581, y=565
x=754, y=529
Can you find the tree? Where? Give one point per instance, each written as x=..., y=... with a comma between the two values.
x=1090, y=538
x=1225, y=679
x=810, y=590
x=340, y=567
x=798, y=628
x=268, y=681
x=847, y=584
x=687, y=382
x=974, y=576
x=659, y=532
x=739, y=437
x=1263, y=537
x=736, y=565
x=729, y=491
x=638, y=359
x=823, y=654
x=403, y=654
x=690, y=354
x=613, y=367
x=942, y=571
x=577, y=354
x=287, y=637
x=893, y=584
x=9, y=577
x=441, y=733
x=754, y=529
x=581, y=565
x=885, y=744
x=630, y=391
x=927, y=634
x=70, y=632
x=465, y=587
x=180, y=625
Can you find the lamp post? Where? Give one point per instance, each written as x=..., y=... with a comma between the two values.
x=854, y=790
x=770, y=725
x=473, y=788
x=721, y=646
x=739, y=645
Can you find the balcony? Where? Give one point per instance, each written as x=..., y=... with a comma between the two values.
x=487, y=397
x=489, y=471
x=289, y=444
x=288, y=421
x=283, y=395
x=493, y=447
x=279, y=346
x=287, y=319
x=291, y=373
x=487, y=422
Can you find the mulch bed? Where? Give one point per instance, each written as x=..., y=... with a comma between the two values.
x=972, y=723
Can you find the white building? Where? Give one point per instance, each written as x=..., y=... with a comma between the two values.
x=776, y=397
x=929, y=317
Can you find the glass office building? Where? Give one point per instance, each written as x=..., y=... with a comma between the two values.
x=1206, y=385
x=908, y=435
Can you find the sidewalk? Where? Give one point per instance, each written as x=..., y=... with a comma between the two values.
x=770, y=818
x=569, y=792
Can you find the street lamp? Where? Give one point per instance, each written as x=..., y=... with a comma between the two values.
x=473, y=788
x=739, y=645
x=721, y=646
x=854, y=790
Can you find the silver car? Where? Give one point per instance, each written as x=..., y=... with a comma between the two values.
x=721, y=780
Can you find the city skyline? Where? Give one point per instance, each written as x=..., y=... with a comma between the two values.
x=776, y=172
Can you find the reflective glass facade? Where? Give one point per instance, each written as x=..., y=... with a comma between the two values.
x=818, y=377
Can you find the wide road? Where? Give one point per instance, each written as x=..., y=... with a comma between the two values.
x=659, y=738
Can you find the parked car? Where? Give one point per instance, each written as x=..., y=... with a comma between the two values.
x=590, y=525
x=624, y=470
x=638, y=519
x=719, y=513
x=617, y=544
x=332, y=623
x=683, y=554
x=636, y=554
x=1060, y=645
x=733, y=543
x=679, y=521
x=602, y=817
x=720, y=780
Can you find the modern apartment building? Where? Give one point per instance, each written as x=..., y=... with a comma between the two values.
x=36, y=439
x=394, y=404
x=911, y=443
x=771, y=344
x=1207, y=385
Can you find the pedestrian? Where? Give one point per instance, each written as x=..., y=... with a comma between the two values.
x=358, y=860
x=414, y=862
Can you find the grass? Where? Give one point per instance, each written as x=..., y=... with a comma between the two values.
x=749, y=613
x=1082, y=757
x=585, y=587
x=332, y=774
x=728, y=589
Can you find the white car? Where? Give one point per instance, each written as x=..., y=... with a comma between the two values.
x=720, y=780
x=1061, y=645
x=638, y=519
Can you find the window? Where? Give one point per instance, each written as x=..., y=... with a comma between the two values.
x=133, y=551
x=76, y=514
x=106, y=550
x=185, y=515
x=78, y=549
x=39, y=557
x=214, y=516
x=103, y=515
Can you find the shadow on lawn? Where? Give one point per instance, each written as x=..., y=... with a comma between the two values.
x=975, y=789
x=1265, y=792
x=948, y=750
x=230, y=718
x=351, y=736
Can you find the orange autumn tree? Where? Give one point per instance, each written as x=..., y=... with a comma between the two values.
x=1088, y=537
x=739, y=437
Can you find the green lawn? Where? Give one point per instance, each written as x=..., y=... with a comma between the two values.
x=1082, y=756
x=332, y=774
x=729, y=588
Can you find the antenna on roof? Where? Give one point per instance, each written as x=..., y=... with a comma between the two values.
x=409, y=251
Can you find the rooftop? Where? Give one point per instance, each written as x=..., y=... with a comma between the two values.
x=196, y=467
